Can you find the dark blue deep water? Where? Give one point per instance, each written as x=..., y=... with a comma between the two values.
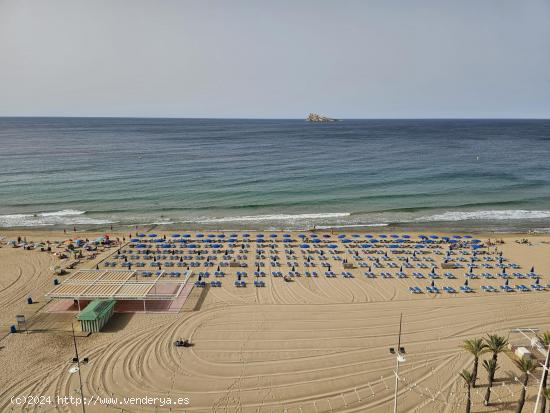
x=476, y=174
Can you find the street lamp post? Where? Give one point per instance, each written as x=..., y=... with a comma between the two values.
x=400, y=358
x=539, y=395
x=78, y=367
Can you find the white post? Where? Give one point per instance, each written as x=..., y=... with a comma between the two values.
x=540, y=387
x=396, y=387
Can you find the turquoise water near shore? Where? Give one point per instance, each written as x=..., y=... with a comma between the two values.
x=277, y=174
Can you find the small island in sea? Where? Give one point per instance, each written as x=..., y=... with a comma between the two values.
x=314, y=117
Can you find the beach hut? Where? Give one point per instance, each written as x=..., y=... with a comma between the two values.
x=96, y=315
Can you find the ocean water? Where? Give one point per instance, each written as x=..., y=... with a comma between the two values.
x=277, y=174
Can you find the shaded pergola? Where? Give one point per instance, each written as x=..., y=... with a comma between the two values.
x=119, y=285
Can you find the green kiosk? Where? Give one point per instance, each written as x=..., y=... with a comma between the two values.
x=96, y=315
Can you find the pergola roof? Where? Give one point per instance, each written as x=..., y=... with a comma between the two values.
x=117, y=285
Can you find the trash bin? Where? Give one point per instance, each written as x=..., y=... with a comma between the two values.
x=29, y=300
x=13, y=329
x=55, y=281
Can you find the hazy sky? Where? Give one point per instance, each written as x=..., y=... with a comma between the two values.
x=231, y=58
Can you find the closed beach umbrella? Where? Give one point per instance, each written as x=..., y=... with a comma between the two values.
x=532, y=269
x=507, y=281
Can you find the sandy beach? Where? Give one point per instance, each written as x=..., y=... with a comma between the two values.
x=315, y=344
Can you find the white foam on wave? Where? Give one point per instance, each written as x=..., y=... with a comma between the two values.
x=497, y=215
x=64, y=212
x=275, y=217
x=64, y=217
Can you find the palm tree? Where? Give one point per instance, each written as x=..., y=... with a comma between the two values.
x=546, y=341
x=476, y=347
x=495, y=344
x=491, y=367
x=468, y=379
x=526, y=365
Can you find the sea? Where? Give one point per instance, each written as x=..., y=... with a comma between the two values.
x=374, y=175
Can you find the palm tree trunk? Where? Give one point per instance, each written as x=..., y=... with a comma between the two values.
x=488, y=392
x=474, y=372
x=490, y=379
x=495, y=358
x=544, y=382
x=469, y=400
x=521, y=401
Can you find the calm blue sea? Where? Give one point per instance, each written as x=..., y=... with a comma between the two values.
x=191, y=173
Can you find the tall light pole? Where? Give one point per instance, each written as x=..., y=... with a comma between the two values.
x=79, y=375
x=400, y=358
x=539, y=395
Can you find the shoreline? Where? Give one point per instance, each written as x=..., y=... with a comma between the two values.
x=360, y=229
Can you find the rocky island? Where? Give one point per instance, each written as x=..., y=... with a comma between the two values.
x=314, y=117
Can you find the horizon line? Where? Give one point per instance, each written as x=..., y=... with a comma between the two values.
x=259, y=118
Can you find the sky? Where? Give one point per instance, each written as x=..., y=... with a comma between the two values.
x=275, y=59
